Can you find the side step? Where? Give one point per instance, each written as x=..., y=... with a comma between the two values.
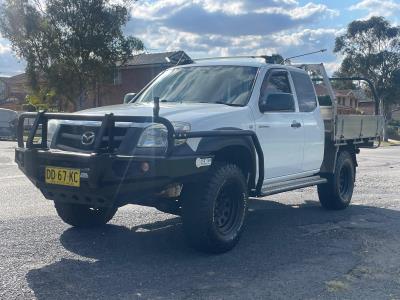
x=280, y=187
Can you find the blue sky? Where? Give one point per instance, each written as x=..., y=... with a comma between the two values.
x=240, y=27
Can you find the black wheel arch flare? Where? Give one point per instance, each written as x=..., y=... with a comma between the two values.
x=236, y=149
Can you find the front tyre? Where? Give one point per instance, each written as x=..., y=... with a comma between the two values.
x=79, y=215
x=214, y=210
x=337, y=192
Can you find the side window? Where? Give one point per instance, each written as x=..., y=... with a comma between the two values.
x=277, y=82
x=305, y=92
x=276, y=94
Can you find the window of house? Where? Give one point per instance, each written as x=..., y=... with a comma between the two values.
x=117, y=77
x=3, y=94
x=305, y=91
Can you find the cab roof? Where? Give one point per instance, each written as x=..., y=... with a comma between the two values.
x=238, y=62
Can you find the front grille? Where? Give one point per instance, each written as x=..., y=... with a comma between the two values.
x=69, y=138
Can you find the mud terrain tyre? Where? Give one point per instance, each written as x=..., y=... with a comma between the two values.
x=337, y=192
x=79, y=215
x=214, y=210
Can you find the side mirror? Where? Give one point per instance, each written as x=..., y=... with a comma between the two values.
x=279, y=102
x=128, y=97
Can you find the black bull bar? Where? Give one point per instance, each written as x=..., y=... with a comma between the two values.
x=107, y=128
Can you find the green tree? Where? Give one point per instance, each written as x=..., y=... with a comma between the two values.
x=342, y=85
x=371, y=48
x=42, y=98
x=74, y=45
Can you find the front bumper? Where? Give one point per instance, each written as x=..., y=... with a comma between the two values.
x=107, y=179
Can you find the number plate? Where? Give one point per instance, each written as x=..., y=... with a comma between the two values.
x=63, y=176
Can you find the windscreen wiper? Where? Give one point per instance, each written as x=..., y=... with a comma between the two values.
x=170, y=101
x=229, y=104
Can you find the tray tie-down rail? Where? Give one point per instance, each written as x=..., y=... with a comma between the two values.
x=107, y=128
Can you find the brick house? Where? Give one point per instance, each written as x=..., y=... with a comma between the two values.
x=3, y=88
x=367, y=107
x=396, y=114
x=346, y=98
x=130, y=77
x=13, y=91
x=136, y=74
x=350, y=101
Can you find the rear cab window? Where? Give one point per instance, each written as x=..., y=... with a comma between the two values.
x=305, y=91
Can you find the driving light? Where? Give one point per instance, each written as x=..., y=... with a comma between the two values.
x=145, y=167
x=181, y=127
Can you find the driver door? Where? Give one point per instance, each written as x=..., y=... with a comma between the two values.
x=281, y=133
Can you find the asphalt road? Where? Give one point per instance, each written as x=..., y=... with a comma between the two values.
x=291, y=249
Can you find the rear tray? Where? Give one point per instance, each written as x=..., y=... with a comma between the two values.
x=353, y=127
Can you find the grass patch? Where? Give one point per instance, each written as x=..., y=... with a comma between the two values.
x=390, y=143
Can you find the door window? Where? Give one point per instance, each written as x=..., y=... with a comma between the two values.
x=276, y=88
x=277, y=82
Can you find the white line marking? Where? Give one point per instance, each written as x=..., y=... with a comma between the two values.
x=12, y=177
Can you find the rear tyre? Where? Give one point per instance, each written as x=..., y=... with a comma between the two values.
x=213, y=211
x=337, y=192
x=79, y=215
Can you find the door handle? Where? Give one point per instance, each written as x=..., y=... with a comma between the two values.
x=295, y=124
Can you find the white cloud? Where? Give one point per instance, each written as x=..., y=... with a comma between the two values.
x=223, y=27
x=9, y=64
x=333, y=66
x=384, y=8
x=4, y=46
x=286, y=43
x=235, y=18
x=218, y=27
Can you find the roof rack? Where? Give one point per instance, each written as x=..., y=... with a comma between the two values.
x=269, y=59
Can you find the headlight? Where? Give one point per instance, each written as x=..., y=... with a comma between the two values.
x=51, y=129
x=156, y=135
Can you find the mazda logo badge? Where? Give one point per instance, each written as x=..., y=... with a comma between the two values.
x=88, y=138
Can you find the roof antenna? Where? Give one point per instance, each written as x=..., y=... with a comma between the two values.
x=287, y=60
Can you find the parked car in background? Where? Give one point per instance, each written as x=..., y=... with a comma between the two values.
x=8, y=124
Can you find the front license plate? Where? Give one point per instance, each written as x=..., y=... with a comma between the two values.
x=63, y=176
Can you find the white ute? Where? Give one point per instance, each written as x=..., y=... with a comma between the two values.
x=197, y=142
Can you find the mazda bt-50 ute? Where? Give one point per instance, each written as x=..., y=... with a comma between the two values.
x=197, y=142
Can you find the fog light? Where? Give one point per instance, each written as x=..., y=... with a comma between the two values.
x=145, y=167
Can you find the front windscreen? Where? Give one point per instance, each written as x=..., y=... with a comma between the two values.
x=231, y=85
